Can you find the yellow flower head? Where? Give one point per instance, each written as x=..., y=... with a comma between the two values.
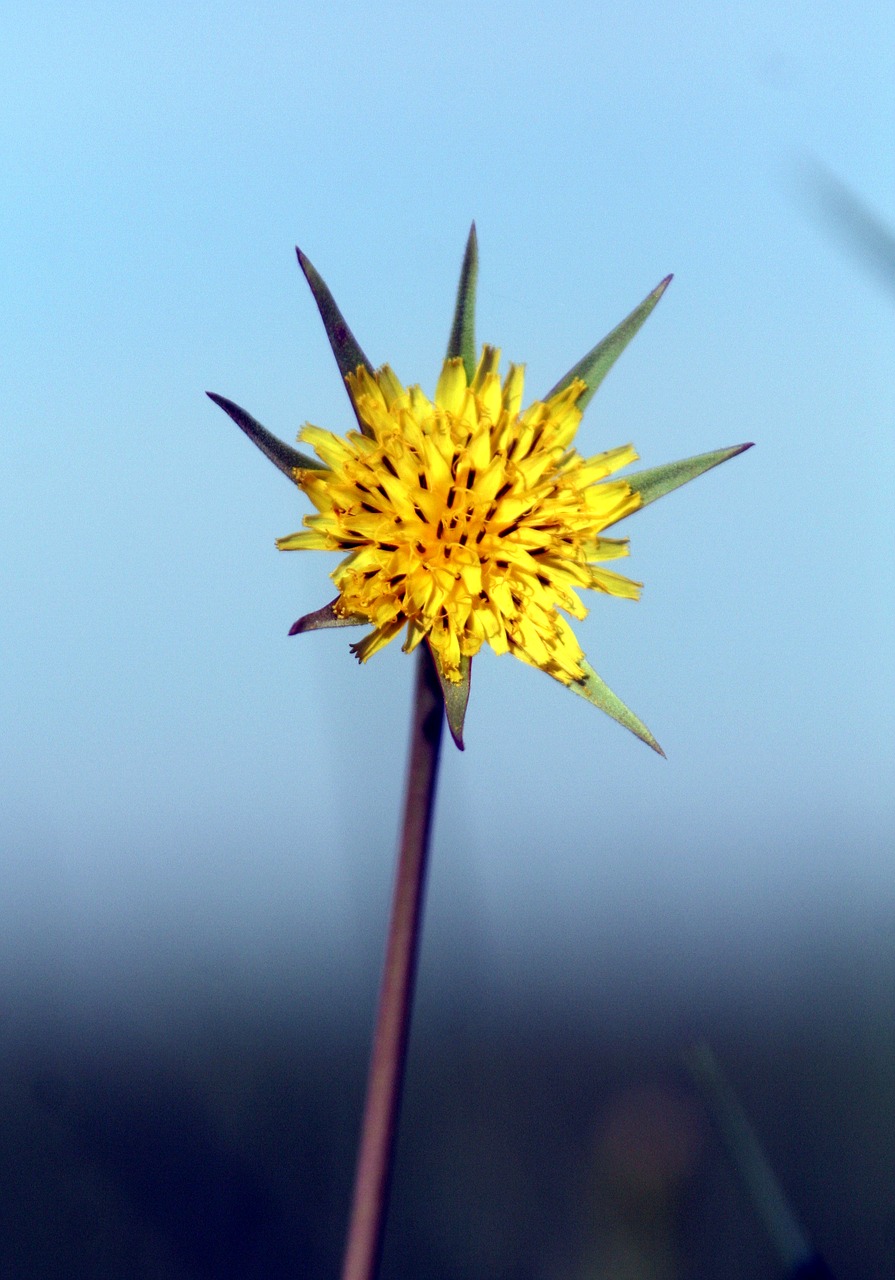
x=466, y=521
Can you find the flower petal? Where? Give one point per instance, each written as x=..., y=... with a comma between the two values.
x=450, y=394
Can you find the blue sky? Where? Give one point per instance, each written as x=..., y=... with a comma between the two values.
x=177, y=776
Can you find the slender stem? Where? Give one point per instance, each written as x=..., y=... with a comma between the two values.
x=386, y=1076
x=751, y=1163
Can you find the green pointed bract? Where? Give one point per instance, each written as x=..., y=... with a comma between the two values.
x=658, y=481
x=598, y=692
x=345, y=347
x=593, y=367
x=462, y=339
x=283, y=456
x=326, y=617
x=456, y=696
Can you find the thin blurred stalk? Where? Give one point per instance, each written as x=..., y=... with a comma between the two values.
x=858, y=228
x=389, y=1054
x=748, y=1158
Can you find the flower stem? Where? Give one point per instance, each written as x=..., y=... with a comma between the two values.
x=389, y=1054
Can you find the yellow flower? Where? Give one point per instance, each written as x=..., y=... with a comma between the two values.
x=466, y=521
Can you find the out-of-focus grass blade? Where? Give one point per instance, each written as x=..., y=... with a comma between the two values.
x=752, y=1165
x=857, y=227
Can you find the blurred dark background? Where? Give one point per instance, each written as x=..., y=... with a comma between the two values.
x=191, y=1125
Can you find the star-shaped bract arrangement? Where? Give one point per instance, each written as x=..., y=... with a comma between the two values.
x=467, y=520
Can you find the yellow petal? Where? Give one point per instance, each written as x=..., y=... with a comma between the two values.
x=451, y=390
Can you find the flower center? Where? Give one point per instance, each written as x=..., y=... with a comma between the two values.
x=465, y=521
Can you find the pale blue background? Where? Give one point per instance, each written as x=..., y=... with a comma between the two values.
x=187, y=792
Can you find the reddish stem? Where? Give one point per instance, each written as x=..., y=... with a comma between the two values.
x=386, y=1076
